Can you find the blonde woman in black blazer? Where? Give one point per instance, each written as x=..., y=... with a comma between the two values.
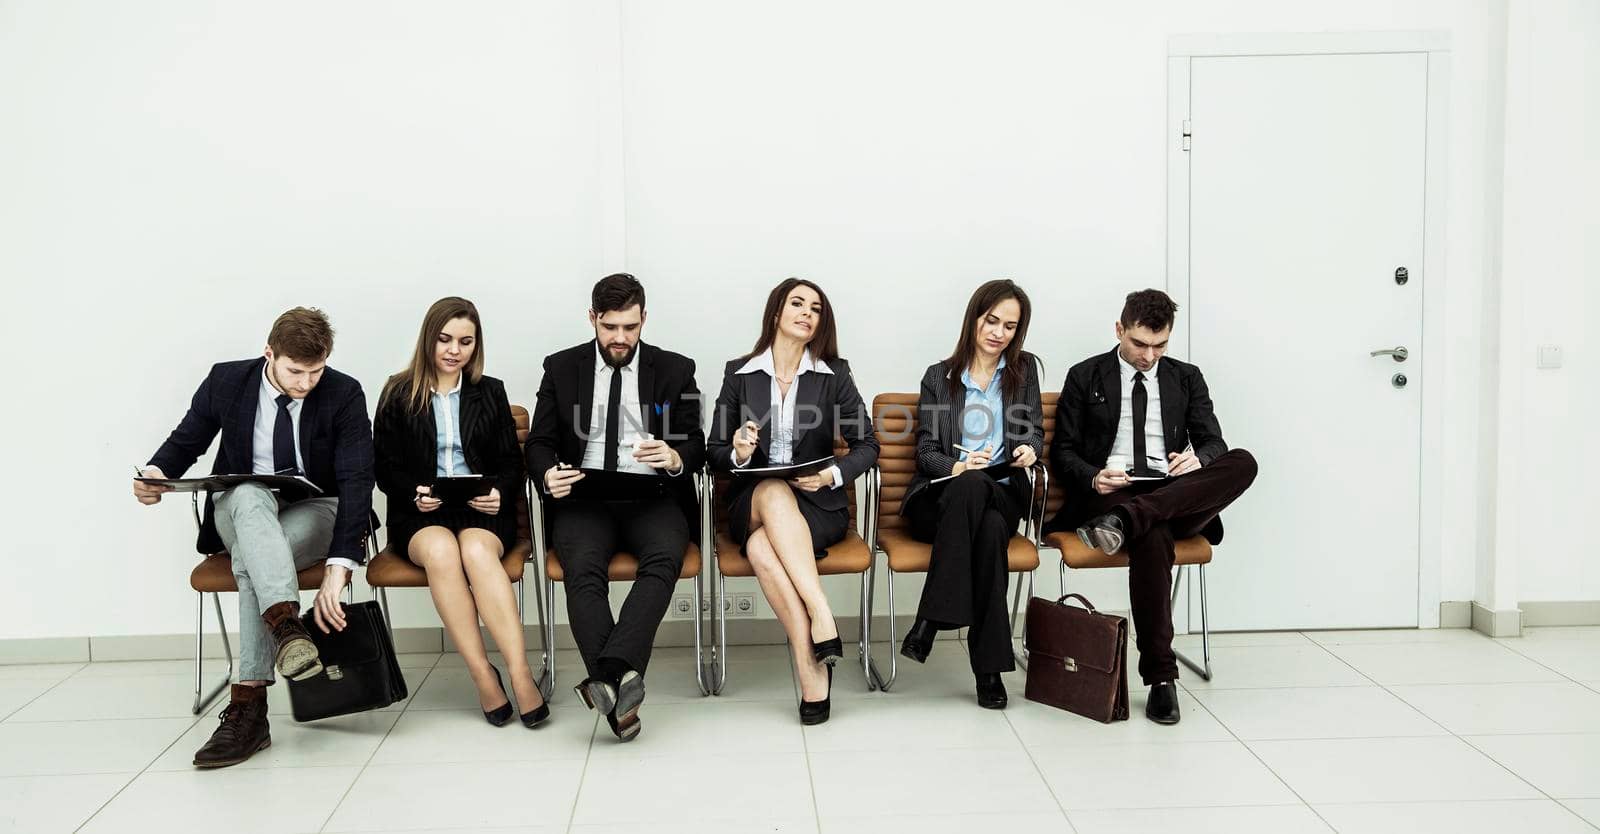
x=979, y=406
x=443, y=417
x=783, y=402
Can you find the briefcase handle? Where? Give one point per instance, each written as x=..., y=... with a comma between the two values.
x=1079, y=597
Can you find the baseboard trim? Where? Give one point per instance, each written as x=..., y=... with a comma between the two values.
x=1561, y=613
x=45, y=650
x=1502, y=623
x=1455, y=614
x=418, y=640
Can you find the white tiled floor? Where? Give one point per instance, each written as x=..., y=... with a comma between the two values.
x=1365, y=731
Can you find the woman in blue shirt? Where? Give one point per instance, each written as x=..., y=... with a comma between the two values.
x=441, y=418
x=979, y=427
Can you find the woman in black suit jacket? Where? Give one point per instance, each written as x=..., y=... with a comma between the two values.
x=440, y=418
x=978, y=407
x=781, y=403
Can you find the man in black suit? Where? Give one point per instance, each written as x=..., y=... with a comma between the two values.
x=285, y=412
x=1144, y=465
x=615, y=443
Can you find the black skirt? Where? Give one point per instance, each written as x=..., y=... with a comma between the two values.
x=828, y=527
x=405, y=524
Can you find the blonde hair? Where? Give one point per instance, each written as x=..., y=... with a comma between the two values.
x=417, y=381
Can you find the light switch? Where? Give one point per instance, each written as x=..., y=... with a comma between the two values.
x=1549, y=356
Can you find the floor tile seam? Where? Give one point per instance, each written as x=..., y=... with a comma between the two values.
x=1569, y=809
x=142, y=771
x=1038, y=769
x=1268, y=767
x=1346, y=663
x=47, y=690
x=1538, y=662
x=583, y=774
x=1419, y=710
x=404, y=708
x=1497, y=763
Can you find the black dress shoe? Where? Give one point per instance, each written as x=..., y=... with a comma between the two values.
x=816, y=712
x=597, y=694
x=630, y=694
x=625, y=731
x=991, y=691
x=1162, y=707
x=1104, y=533
x=501, y=714
x=919, y=641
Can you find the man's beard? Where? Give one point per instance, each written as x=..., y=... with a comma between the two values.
x=613, y=361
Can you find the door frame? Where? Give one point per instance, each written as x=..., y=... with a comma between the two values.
x=1181, y=50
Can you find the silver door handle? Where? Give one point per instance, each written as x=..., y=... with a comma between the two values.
x=1399, y=353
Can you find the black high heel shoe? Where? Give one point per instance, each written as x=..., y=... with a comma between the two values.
x=919, y=641
x=501, y=714
x=535, y=717
x=816, y=712
x=829, y=651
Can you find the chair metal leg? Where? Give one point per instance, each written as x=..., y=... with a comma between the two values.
x=702, y=677
x=719, y=659
x=1204, y=671
x=383, y=604
x=882, y=683
x=864, y=640
x=547, y=675
x=204, y=699
x=546, y=650
x=1016, y=599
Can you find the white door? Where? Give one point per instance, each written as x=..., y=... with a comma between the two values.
x=1306, y=186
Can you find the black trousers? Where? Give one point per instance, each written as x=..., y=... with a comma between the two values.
x=586, y=534
x=1157, y=514
x=969, y=520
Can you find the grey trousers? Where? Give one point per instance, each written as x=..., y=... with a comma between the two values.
x=270, y=541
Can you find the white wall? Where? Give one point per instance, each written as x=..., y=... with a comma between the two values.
x=174, y=175
x=1551, y=273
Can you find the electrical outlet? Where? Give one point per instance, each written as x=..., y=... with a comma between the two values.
x=682, y=607
x=739, y=605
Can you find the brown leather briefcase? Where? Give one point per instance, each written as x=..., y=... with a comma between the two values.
x=1077, y=658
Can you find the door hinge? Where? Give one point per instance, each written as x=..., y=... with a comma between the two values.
x=1187, y=136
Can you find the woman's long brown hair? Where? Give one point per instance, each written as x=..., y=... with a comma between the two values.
x=983, y=300
x=824, y=344
x=416, y=382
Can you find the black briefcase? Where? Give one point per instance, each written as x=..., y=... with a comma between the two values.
x=359, y=669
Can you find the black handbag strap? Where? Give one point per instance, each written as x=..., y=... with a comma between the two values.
x=1079, y=597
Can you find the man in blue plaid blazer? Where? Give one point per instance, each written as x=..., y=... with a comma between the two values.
x=283, y=413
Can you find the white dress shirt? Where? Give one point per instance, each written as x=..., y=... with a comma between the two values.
x=1155, y=442
x=261, y=457
x=628, y=431
x=782, y=415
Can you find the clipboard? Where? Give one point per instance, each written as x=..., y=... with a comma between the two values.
x=608, y=485
x=996, y=469
x=460, y=489
x=788, y=470
x=296, y=485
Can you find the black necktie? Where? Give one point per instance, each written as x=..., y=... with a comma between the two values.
x=613, y=419
x=1140, y=401
x=283, y=439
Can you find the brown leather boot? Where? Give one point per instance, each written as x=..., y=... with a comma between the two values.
x=297, y=657
x=243, y=730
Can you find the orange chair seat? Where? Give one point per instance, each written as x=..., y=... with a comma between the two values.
x=850, y=555
x=214, y=575
x=1191, y=551
x=624, y=567
x=391, y=570
x=907, y=555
